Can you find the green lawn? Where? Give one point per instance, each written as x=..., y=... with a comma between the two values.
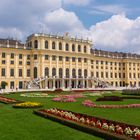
x=22, y=124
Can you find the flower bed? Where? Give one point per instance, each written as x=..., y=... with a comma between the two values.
x=60, y=99
x=36, y=95
x=100, y=127
x=68, y=98
x=28, y=105
x=7, y=100
x=89, y=103
x=109, y=98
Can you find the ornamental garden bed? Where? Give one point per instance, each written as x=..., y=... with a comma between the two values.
x=89, y=103
x=94, y=125
x=109, y=98
x=8, y=100
x=28, y=105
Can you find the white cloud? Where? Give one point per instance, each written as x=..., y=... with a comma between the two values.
x=61, y=21
x=118, y=33
x=77, y=2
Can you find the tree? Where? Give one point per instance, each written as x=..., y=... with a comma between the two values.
x=3, y=84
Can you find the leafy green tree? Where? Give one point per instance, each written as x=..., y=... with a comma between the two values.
x=3, y=84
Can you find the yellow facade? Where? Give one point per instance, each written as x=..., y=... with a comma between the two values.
x=50, y=62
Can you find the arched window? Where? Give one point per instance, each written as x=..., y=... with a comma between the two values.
x=60, y=72
x=67, y=73
x=73, y=73
x=54, y=72
x=53, y=45
x=46, y=44
x=46, y=71
x=79, y=73
x=35, y=44
x=60, y=46
x=35, y=72
x=85, y=73
x=73, y=47
x=67, y=47
x=79, y=48
x=85, y=49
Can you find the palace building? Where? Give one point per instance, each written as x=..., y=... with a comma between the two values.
x=50, y=62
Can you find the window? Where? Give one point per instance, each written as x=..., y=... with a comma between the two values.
x=106, y=74
x=73, y=47
x=73, y=73
x=123, y=75
x=79, y=59
x=35, y=44
x=130, y=75
x=115, y=75
x=20, y=84
x=102, y=62
x=85, y=73
x=28, y=57
x=60, y=58
x=102, y=75
x=67, y=73
x=3, y=72
x=79, y=73
x=46, y=44
x=11, y=62
x=35, y=56
x=60, y=72
x=67, y=58
x=20, y=56
x=20, y=62
x=67, y=47
x=60, y=46
x=11, y=72
x=20, y=73
x=79, y=48
x=28, y=72
x=12, y=84
x=85, y=60
x=111, y=75
x=12, y=55
x=134, y=75
x=46, y=71
x=46, y=57
x=3, y=62
x=92, y=61
x=120, y=75
x=73, y=59
x=54, y=72
x=97, y=62
x=53, y=57
x=3, y=55
x=28, y=62
x=85, y=49
x=53, y=45
x=92, y=74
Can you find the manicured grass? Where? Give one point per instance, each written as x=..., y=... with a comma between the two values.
x=22, y=124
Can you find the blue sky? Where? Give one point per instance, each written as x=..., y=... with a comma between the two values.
x=112, y=24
